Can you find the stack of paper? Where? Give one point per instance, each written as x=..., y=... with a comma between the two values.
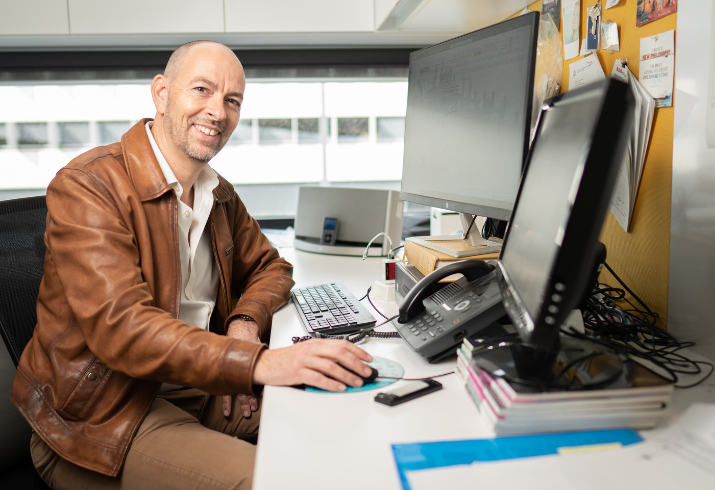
x=513, y=408
x=624, y=195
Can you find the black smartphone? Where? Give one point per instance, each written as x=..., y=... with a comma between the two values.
x=408, y=392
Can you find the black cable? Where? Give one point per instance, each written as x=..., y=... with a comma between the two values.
x=633, y=332
x=489, y=229
x=354, y=337
x=628, y=289
x=466, y=233
x=373, y=306
x=368, y=292
x=417, y=379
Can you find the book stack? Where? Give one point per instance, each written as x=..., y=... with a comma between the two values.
x=427, y=260
x=512, y=408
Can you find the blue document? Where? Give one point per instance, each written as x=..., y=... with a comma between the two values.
x=420, y=456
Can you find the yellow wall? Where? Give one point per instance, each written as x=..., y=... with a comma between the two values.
x=639, y=257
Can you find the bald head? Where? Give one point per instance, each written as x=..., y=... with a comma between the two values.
x=181, y=54
x=198, y=100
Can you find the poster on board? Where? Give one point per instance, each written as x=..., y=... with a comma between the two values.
x=650, y=10
x=657, y=66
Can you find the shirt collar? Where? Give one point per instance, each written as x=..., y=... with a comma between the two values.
x=208, y=179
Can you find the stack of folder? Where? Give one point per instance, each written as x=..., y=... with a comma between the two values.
x=512, y=408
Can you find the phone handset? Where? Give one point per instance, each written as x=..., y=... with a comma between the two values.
x=471, y=269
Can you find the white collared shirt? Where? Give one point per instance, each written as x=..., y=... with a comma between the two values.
x=199, y=273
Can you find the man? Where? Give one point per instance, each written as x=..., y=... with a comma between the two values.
x=130, y=377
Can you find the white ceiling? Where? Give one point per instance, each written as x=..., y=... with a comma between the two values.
x=152, y=24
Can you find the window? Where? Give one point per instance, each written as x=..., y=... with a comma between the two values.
x=274, y=131
x=291, y=133
x=32, y=134
x=112, y=131
x=73, y=133
x=243, y=134
x=390, y=128
x=352, y=129
x=309, y=130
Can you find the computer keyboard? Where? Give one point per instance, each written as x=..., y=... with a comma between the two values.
x=331, y=309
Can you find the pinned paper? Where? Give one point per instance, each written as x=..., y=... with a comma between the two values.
x=585, y=71
x=552, y=8
x=657, y=65
x=609, y=37
x=623, y=200
x=571, y=11
x=619, y=71
x=593, y=32
x=584, y=49
x=612, y=3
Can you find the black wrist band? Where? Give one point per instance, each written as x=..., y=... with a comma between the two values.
x=245, y=317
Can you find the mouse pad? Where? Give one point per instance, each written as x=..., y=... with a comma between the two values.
x=385, y=367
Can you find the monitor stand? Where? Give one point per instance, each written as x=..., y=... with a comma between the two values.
x=575, y=364
x=468, y=246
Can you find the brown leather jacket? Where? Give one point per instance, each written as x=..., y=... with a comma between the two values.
x=108, y=332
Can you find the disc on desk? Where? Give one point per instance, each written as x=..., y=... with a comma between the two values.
x=385, y=367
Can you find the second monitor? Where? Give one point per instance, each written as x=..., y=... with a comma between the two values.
x=468, y=122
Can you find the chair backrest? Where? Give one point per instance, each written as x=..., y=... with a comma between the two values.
x=22, y=255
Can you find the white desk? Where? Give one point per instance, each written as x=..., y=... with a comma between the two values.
x=343, y=441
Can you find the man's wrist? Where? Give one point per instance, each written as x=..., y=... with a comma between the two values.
x=243, y=329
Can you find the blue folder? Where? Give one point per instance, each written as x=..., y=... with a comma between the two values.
x=425, y=455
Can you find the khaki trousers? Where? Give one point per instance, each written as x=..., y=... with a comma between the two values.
x=185, y=442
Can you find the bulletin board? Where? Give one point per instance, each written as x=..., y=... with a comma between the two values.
x=639, y=257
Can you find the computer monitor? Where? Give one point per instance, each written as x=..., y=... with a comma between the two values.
x=468, y=120
x=546, y=266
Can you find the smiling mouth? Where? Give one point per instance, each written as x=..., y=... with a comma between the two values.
x=206, y=131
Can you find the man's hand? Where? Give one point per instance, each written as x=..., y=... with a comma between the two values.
x=248, y=332
x=311, y=363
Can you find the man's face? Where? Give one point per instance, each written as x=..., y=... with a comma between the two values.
x=204, y=100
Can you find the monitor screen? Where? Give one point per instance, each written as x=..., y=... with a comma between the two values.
x=468, y=119
x=550, y=255
x=555, y=169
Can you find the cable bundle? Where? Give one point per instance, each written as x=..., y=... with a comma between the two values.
x=632, y=331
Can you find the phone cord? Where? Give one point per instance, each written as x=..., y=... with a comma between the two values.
x=354, y=338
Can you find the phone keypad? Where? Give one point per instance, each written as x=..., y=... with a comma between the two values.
x=427, y=326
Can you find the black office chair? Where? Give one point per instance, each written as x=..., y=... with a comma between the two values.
x=22, y=255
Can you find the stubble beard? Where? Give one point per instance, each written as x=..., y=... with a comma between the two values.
x=200, y=151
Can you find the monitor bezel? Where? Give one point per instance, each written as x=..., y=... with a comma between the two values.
x=531, y=19
x=575, y=258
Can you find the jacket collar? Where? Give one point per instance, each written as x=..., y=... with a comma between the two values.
x=144, y=170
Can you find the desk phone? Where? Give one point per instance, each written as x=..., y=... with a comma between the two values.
x=434, y=325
